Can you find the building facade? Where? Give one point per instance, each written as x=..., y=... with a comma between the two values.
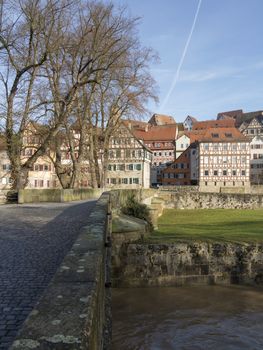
x=223, y=160
x=179, y=172
x=129, y=161
x=256, y=160
x=181, y=144
x=189, y=122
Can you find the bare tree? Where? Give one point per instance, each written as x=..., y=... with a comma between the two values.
x=28, y=35
x=121, y=85
x=60, y=70
x=122, y=94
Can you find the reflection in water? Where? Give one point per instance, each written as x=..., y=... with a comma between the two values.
x=208, y=317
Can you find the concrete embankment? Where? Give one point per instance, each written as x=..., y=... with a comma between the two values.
x=177, y=264
x=74, y=312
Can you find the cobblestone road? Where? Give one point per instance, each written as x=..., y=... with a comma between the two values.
x=34, y=239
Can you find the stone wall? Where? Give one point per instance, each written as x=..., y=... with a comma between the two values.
x=73, y=313
x=146, y=265
x=201, y=200
x=56, y=195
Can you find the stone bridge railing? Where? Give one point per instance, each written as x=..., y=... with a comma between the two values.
x=73, y=313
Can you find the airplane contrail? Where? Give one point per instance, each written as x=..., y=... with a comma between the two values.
x=174, y=82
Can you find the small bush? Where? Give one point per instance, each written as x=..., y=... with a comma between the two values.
x=136, y=209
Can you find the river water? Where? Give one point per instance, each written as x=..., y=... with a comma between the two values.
x=207, y=317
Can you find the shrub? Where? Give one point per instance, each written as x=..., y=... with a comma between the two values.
x=136, y=209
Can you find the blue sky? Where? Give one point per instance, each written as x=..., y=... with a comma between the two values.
x=223, y=65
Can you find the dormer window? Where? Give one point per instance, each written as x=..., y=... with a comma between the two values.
x=215, y=135
x=228, y=134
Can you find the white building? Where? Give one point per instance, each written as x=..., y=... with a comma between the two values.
x=129, y=161
x=223, y=160
x=189, y=122
x=256, y=161
x=181, y=144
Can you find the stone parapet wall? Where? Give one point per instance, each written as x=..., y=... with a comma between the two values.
x=56, y=195
x=73, y=312
x=214, y=201
x=146, y=265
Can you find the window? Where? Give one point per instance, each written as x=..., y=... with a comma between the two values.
x=215, y=183
x=224, y=172
x=228, y=134
x=46, y=167
x=48, y=183
x=128, y=153
x=206, y=146
x=130, y=167
x=234, y=172
x=138, y=167
x=215, y=172
x=225, y=147
x=206, y=172
x=234, y=147
x=215, y=147
x=243, y=172
x=155, y=153
x=41, y=183
x=125, y=181
x=215, y=135
x=28, y=152
x=206, y=183
x=118, y=153
x=113, y=181
x=243, y=146
x=35, y=183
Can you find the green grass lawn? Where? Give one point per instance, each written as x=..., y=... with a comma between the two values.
x=228, y=225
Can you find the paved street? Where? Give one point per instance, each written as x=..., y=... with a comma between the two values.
x=34, y=238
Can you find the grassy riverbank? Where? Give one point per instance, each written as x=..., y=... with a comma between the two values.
x=228, y=225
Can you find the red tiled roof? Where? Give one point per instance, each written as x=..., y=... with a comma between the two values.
x=157, y=133
x=224, y=123
x=195, y=135
x=221, y=135
x=136, y=124
x=161, y=119
x=232, y=114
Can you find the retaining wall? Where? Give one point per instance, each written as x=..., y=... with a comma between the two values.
x=177, y=264
x=57, y=195
x=74, y=311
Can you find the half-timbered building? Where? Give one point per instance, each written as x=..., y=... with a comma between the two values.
x=223, y=156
